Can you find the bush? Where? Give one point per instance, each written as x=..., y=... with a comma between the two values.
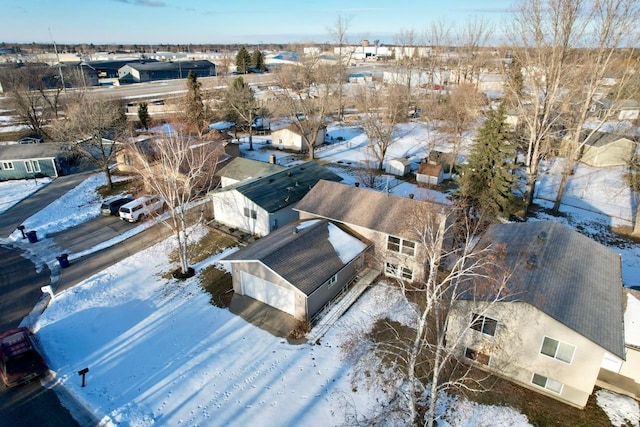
x=301, y=330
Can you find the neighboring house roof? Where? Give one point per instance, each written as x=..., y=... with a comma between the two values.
x=429, y=169
x=566, y=275
x=45, y=150
x=241, y=169
x=161, y=66
x=401, y=160
x=382, y=212
x=281, y=189
x=305, y=254
x=601, y=139
x=296, y=129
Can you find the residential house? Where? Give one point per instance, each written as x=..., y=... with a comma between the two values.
x=558, y=327
x=291, y=138
x=264, y=204
x=429, y=173
x=298, y=268
x=24, y=161
x=398, y=166
x=384, y=219
x=607, y=149
x=625, y=109
x=152, y=71
x=241, y=169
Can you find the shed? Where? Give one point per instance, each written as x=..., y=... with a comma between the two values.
x=398, y=166
x=429, y=173
x=291, y=138
x=606, y=149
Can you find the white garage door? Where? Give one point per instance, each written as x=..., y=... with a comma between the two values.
x=267, y=292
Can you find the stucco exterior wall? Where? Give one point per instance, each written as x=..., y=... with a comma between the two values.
x=228, y=208
x=515, y=349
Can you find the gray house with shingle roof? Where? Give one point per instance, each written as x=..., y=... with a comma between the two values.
x=561, y=322
x=241, y=169
x=387, y=220
x=264, y=204
x=298, y=268
x=24, y=161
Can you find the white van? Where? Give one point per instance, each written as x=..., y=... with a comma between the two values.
x=140, y=208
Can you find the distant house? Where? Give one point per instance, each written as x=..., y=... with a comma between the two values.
x=431, y=174
x=24, y=161
x=291, y=138
x=626, y=109
x=606, y=149
x=241, y=169
x=558, y=329
x=384, y=219
x=398, y=166
x=152, y=71
x=298, y=268
x=264, y=204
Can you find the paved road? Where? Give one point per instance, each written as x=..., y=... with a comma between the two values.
x=13, y=217
x=91, y=233
x=28, y=404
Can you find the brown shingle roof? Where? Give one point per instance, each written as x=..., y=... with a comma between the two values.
x=382, y=212
x=429, y=169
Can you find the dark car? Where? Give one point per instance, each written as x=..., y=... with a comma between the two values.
x=112, y=206
x=19, y=360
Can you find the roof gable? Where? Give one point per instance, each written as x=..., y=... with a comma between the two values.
x=374, y=210
x=566, y=275
x=305, y=254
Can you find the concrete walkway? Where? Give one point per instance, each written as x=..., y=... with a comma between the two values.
x=14, y=216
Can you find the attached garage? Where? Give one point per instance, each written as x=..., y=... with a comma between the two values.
x=267, y=292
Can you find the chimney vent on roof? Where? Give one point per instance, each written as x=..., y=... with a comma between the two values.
x=411, y=195
x=542, y=236
x=532, y=261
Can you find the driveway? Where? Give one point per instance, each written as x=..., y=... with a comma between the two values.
x=91, y=233
x=13, y=217
x=28, y=404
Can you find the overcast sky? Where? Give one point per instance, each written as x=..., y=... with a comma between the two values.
x=229, y=21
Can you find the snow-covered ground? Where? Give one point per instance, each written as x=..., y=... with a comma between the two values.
x=160, y=353
x=12, y=192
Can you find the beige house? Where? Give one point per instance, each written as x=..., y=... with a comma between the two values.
x=559, y=329
x=384, y=219
x=291, y=138
x=606, y=149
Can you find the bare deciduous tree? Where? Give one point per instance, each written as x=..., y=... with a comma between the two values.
x=382, y=109
x=339, y=34
x=92, y=127
x=420, y=359
x=34, y=93
x=180, y=169
x=613, y=24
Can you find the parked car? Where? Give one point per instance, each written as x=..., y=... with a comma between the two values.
x=140, y=208
x=20, y=362
x=112, y=205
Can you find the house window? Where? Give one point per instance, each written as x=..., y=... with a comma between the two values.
x=557, y=350
x=128, y=159
x=398, y=271
x=7, y=166
x=254, y=214
x=476, y=356
x=547, y=383
x=250, y=213
x=27, y=165
x=484, y=324
x=36, y=165
x=32, y=166
x=396, y=244
x=332, y=281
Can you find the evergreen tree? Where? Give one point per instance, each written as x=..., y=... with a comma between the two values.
x=243, y=61
x=143, y=115
x=195, y=115
x=257, y=60
x=488, y=180
x=241, y=106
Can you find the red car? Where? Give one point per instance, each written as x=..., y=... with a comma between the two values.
x=19, y=360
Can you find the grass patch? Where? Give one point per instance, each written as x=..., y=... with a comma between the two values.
x=217, y=283
x=212, y=243
x=131, y=186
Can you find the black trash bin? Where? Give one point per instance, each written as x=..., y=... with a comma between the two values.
x=64, y=260
x=32, y=236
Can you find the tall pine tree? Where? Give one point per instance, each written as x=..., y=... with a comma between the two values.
x=195, y=114
x=243, y=61
x=257, y=60
x=488, y=180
